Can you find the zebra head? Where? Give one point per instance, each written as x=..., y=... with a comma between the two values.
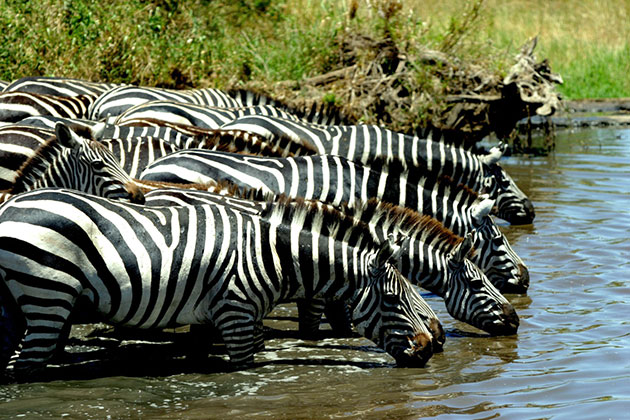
x=494, y=256
x=512, y=204
x=391, y=313
x=95, y=169
x=471, y=297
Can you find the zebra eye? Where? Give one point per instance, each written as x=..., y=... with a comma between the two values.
x=98, y=164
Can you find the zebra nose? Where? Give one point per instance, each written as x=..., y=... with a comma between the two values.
x=508, y=323
x=519, y=284
x=418, y=354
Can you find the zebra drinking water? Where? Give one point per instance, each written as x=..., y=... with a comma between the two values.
x=154, y=267
x=335, y=180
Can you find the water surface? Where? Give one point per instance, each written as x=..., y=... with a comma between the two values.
x=570, y=359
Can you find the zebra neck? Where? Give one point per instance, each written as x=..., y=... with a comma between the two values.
x=40, y=169
x=320, y=266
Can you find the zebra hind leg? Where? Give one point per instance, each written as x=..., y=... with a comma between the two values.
x=12, y=327
x=44, y=326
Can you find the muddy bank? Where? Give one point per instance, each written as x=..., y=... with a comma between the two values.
x=583, y=113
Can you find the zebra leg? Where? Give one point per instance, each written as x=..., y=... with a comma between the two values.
x=310, y=313
x=338, y=316
x=44, y=325
x=239, y=337
x=259, y=337
x=12, y=326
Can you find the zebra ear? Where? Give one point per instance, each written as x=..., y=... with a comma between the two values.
x=459, y=254
x=66, y=136
x=482, y=208
x=97, y=130
x=494, y=155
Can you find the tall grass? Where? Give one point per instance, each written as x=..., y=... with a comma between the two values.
x=217, y=42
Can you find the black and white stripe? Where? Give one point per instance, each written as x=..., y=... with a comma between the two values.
x=365, y=143
x=116, y=101
x=336, y=180
x=154, y=267
x=72, y=161
x=15, y=106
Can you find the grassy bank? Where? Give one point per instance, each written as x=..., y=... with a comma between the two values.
x=214, y=43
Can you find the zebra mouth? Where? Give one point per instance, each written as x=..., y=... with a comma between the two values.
x=415, y=353
x=507, y=324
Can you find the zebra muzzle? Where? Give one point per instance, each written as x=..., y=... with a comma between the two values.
x=418, y=353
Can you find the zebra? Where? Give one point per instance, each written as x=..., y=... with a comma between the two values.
x=3, y=85
x=202, y=116
x=117, y=100
x=154, y=267
x=364, y=143
x=426, y=258
x=71, y=161
x=15, y=106
x=324, y=113
x=281, y=146
x=335, y=180
x=59, y=86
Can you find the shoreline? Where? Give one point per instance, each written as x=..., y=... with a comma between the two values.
x=584, y=113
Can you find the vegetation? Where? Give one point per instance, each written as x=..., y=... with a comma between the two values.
x=221, y=43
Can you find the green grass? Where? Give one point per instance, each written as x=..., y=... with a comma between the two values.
x=216, y=43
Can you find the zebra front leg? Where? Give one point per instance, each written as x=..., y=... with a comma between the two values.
x=310, y=313
x=339, y=317
x=240, y=341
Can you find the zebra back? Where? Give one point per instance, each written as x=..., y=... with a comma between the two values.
x=59, y=86
x=15, y=106
x=114, y=102
x=322, y=113
x=242, y=141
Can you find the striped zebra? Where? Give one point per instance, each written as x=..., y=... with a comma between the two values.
x=427, y=258
x=15, y=106
x=202, y=116
x=156, y=267
x=335, y=180
x=280, y=147
x=59, y=86
x=115, y=101
x=19, y=141
x=71, y=161
x=365, y=143
x=3, y=85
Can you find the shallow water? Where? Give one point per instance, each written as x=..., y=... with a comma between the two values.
x=570, y=359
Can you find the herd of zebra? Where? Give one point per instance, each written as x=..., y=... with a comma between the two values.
x=153, y=208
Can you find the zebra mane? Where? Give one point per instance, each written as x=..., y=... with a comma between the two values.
x=317, y=113
x=315, y=216
x=397, y=168
x=223, y=187
x=407, y=221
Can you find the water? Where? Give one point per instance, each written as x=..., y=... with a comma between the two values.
x=570, y=359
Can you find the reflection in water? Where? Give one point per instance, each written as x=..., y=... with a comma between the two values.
x=571, y=357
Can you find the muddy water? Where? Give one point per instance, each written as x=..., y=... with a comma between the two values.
x=570, y=359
